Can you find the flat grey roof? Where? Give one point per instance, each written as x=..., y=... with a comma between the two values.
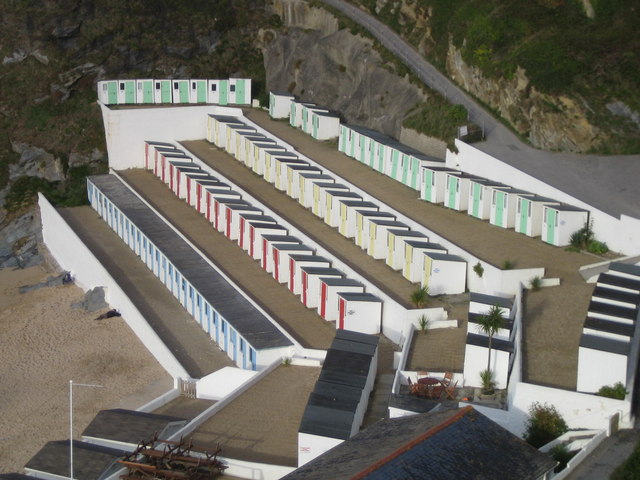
x=128, y=426
x=358, y=337
x=506, y=302
x=359, y=297
x=231, y=304
x=341, y=282
x=625, y=268
x=445, y=257
x=483, y=341
x=603, y=344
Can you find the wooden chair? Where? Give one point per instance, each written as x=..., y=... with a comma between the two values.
x=451, y=391
x=436, y=392
x=448, y=377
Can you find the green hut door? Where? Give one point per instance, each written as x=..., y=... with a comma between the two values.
x=552, y=217
x=201, y=91
x=224, y=92
x=130, y=92
x=380, y=158
x=525, y=210
x=477, y=199
x=428, y=184
x=165, y=91
x=241, y=92
x=406, y=163
x=147, y=91
x=499, y=206
x=394, y=163
x=112, y=92
x=453, y=185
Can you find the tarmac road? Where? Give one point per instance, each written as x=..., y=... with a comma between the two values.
x=608, y=183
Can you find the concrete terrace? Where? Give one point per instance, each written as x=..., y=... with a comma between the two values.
x=303, y=324
x=553, y=316
x=191, y=346
x=261, y=425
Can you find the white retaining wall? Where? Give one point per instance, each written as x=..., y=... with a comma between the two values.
x=621, y=234
x=72, y=255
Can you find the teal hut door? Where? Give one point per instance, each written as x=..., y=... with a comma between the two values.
x=499, y=205
x=380, y=158
x=477, y=197
x=372, y=153
x=428, y=184
x=130, y=92
x=165, y=91
x=224, y=92
x=453, y=185
x=147, y=91
x=405, y=168
x=112, y=91
x=394, y=163
x=241, y=92
x=343, y=139
x=525, y=209
x=552, y=217
x=201, y=91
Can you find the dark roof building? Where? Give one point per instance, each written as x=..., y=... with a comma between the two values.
x=451, y=444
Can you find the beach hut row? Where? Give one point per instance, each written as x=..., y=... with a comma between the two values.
x=372, y=229
x=233, y=322
x=232, y=91
x=502, y=205
x=605, y=351
x=314, y=120
x=503, y=343
x=306, y=274
x=336, y=407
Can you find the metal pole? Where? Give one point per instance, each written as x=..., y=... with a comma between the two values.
x=71, y=429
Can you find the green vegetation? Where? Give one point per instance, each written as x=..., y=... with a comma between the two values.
x=543, y=424
x=583, y=239
x=617, y=391
x=424, y=323
x=490, y=323
x=437, y=118
x=630, y=469
x=561, y=454
x=508, y=264
x=488, y=383
x=420, y=297
x=535, y=283
x=478, y=269
x=562, y=51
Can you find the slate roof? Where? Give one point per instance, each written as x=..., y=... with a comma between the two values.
x=483, y=341
x=215, y=289
x=16, y=476
x=625, y=268
x=90, y=461
x=604, y=344
x=506, y=302
x=359, y=297
x=452, y=444
x=128, y=426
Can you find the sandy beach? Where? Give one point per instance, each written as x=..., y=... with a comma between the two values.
x=44, y=343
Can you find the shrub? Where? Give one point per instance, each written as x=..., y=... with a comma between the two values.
x=561, y=454
x=597, y=247
x=617, y=391
x=508, y=264
x=479, y=269
x=543, y=425
x=420, y=297
x=488, y=383
x=535, y=283
x=424, y=322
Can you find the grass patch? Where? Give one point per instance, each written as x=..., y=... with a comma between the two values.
x=437, y=118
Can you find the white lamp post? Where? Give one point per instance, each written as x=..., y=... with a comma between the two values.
x=71, y=385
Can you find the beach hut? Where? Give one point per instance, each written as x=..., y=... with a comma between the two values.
x=481, y=304
x=295, y=118
x=108, y=92
x=180, y=91
x=432, y=185
x=280, y=104
x=560, y=221
x=280, y=176
x=162, y=91
x=378, y=228
x=181, y=181
x=126, y=92
x=319, y=195
x=480, y=197
x=280, y=256
x=444, y=273
x=244, y=236
x=348, y=211
x=332, y=207
x=293, y=177
x=201, y=192
x=171, y=165
x=296, y=262
x=217, y=209
x=244, y=140
x=193, y=189
x=503, y=205
x=307, y=120
x=529, y=213
x=161, y=169
x=217, y=128
x=414, y=251
x=415, y=169
x=267, y=248
x=329, y=289
x=363, y=217
x=177, y=168
x=144, y=91
x=233, y=133
x=240, y=91
x=324, y=125
x=256, y=230
x=150, y=148
x=260, y=159
x=311, y=283
x=305, y=191
x=456, y=191
x=197, y=91
x=359, y=312
x=396, y=246
x=232, y=218
x=269, y=173
x=213, y=92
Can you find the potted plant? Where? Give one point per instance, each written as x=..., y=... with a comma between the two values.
x=488, y=385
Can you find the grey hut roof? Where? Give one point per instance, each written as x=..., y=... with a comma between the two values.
x=407, y=233
x=625, y=268
x=129, y=426
x=358, y=337
x=90, y=462
x=313, y=270
x=230, y=303
x=155, y=143
x=483, y=341
x=447, y=445
x=281, y=238
x=428, y=245
x=340, y=282
x=539, y=198
x=566, y=208
x=595, y=342
x=357, y=203
x=331, y=185
x=282, y=93
x=506, y=302
x=358, y=297
x=445, y=257
x=225, y=118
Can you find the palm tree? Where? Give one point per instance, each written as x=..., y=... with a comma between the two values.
x=420, y=297
x=490, y=324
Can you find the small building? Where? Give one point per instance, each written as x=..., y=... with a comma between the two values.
x=529, y=214
x=296, y=262
x=243, y=145
x=162, y=165
x=311, y=283
x=126, y=92
x=234, y=133
x=348, y=210
x=480, y=304
x=332, y=206
x=503, y=205
x=480, y=197
x=307, y=120
x=293, y=177
x=414, y=250
x=201, y=190
x=444, y=273
x=296, y=118
x=324, y=125
x=378, y=228
x=280, y=104
x=214, y=92
x=268, y=241
x=220, y=202
x=193, y=186
x=280, y=176
x=475, y=359
x=262, y=151
x=176, y=170
x=239, y=91
x=162, y=91
x=180, y=90
x=270, y=163
x=215, y=195
x=305, y=189
x=433, y=182
x=144, y=91
x=108, y=92
x=281, y=261
x=256, y=230
x=319, y=192
x=396, y=246
x=362, y=225
x=456, y=190
x=217, y=128
x=449, y=444
x=559, y=222
x=359, y=312
x=244, y=235
x=329, y=289
x=198, y=91
x=233, y=213
x=150, y=147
